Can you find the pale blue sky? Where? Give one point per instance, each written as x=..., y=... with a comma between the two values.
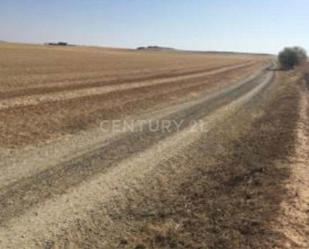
x=234, y=25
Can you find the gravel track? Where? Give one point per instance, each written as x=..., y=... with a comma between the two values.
x=42, y=201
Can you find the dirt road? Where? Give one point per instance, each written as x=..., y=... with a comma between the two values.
x=39, y=201
x=110, y=148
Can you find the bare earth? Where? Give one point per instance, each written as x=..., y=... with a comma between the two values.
x=294, y=222
x=231, y=175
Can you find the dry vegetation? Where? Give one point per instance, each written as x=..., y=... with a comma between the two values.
x=64, y=184
x=37, y=84
x=229, y=193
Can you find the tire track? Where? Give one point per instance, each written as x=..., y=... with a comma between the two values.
x=19, y=196
x=26, y=164
x=56, y=213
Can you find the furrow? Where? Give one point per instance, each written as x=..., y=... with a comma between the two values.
x=62, y=207
x=25, y=193
x=69, y=85
x=71, y=94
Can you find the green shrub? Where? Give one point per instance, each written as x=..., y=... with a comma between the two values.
x=291, y=57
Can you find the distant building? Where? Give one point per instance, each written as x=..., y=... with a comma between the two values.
x=57, y=44
x=154, y=48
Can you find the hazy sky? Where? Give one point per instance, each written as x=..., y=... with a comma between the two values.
x=235, y=25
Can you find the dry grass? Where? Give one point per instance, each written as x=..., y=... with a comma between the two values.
x=235, y=202
x=24, y=66
x=28, y=70
x=229, y=196
x=224, y=190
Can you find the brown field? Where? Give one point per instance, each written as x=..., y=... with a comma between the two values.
x=48, y=91
x=67, y=181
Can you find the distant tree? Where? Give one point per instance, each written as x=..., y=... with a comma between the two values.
x=291, y=57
